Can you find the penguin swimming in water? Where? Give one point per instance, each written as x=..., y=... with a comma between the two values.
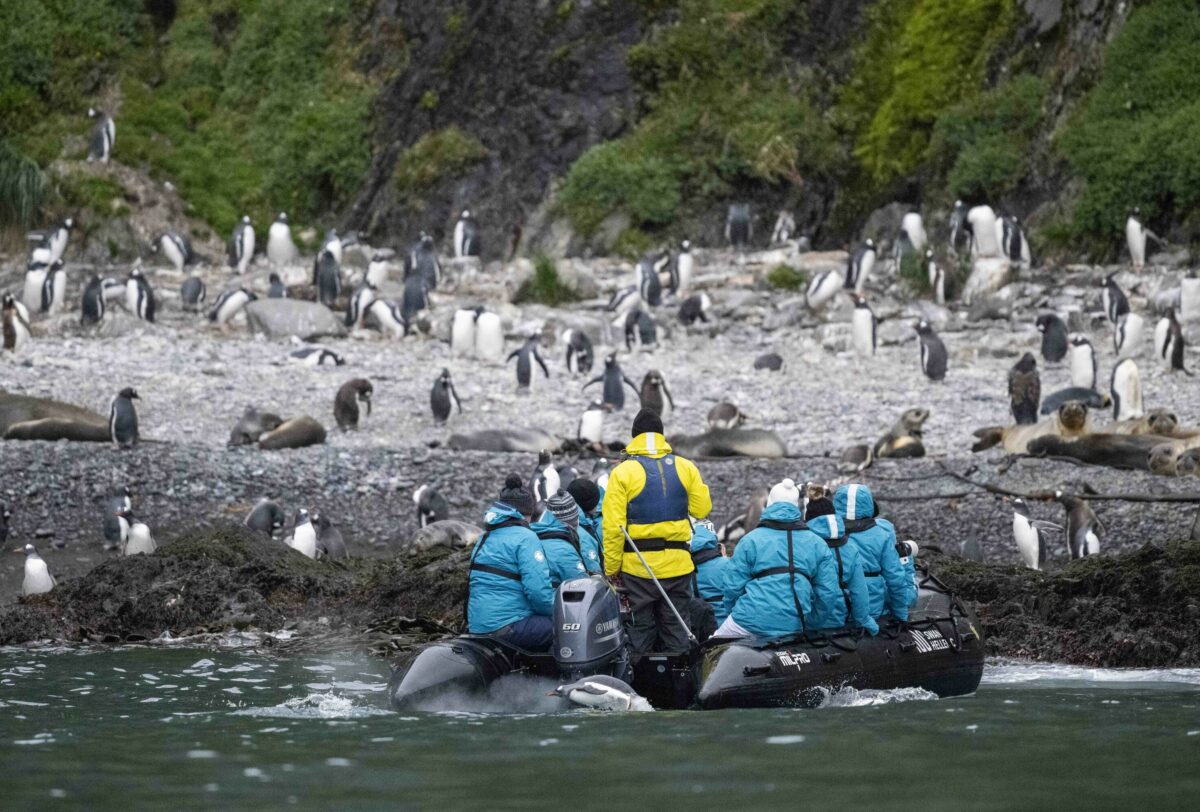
x=176, y=248
x=603, y=692
x=15, y=325
x=389, y=317
x=655, y=395
x=1028, y=537
x=241, y=245
x=590, y=431
x=862, y=325
x=1055, y=340
x=579, y=352
x=693, y=308
x=1013, y=243
x=139, y=298
x=304, y=536
x=937, y=277
x=280, y=248
x=859, y=268
x=466, y=236
x=192, y=292
x=139, y=540
x=37, y=580
x=648, y=282
x=1127, y=337
x=613, y=378
x=316, y=357
x=345, y=403
x=123, y=419
x=1113, y=299
x=54, y=289
x=277, y=289
x=439, y=397
x=431, y=506
x=1083, y=526
x=462, y=333
x=545, y=481
x=739, y=228
x=329, y=278
x=266, y=517
x=684, y=267
x=933, y=352
x=93, y=305
x=526, y=354
x=1126, y=391
x=103, y=137
x=1135, y=238
x=1024, y=390
x=823, y=287
x=229, y=304
x=423, y=261
x=489, y=338
x=640, y=330
x=1083, y=363
x=360, y=303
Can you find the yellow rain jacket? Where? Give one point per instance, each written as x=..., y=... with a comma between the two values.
x=652, y=493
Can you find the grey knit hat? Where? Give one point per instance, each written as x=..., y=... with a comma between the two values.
x=564, y=508
x=517, y=495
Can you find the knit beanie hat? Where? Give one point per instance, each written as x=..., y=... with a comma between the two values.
x=818, y=507
x=586, y=494
x=647, y=421
x=564, y=508
x=785, y=491
x=517, y=495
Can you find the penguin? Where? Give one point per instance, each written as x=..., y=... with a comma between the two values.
x=316, y=357
x=1024, y=390
x=304, y=536
x=603, y=692
x=1174, y=346
x=693, y=308
x=15, y=325
x=54, y=288
x=423, y=261
x=859, y=268
x=1189, y=297
x=139, y=540
x=360, y=303
x=377, y=268
x=590, y=431
x=431, y=506
x=103, y=137
x=771, y=361
x=466, y=236
x=345, y=403
x=1127, y=337
x=525, y=355
x=654, y=389
x=739, y=228
x=389, y=317
x=280, y=248
x=115, y=525
x=1113, y=299
x=193, y=292
x=139, y=298
x=1083, y=363
x=35, y=279
x=600, y=471
x=176, y=248
x=640, y=330
x=648, y=282
x=1083, y=527
x=241, y=245
x=266, y=517
x=623, y=300
x=960, y=235
x=1054, y=337
x=580, y=354
x=913, y=227
x=328, y=278
x=785, y=226
x=1028, y=537
x=439, y=397
x=277, y=289
x=823, y=287
x=113, y=288
x=462, y=333
x=545, y=481
x=1126, y=387
x=1135, y=238
x=330, y=543
x=123, y=419
x=936, y=276
x=229, y=304
x=902, y=250
x=613, y=377
x=726, y=416
x=684, y=266
x=38, y=579
x=981, y=224
x=1013, y=243
x=933, y=352
x=333, y=244
x=415, y=299
x=52, y=244
x=489, y=338
x=863, y=325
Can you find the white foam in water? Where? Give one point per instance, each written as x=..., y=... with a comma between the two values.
x=848, y=697
x=795, y=739
x=315, y=706
x=1029, y=673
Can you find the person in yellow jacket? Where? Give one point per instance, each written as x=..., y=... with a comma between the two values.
x=651, y=494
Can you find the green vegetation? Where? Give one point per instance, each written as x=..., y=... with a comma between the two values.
x=79, y=190
x=22, y=185
x=915, y=273
x=785, y=277
x=545, y=286
x=440, y=154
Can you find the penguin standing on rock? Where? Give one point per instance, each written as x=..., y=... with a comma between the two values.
x=1174, y=346
x=579, y=352
x=193, y=292
x=863, y=325
x=1083, y=363
x=462, y=333
x=304, y=536
x=229, y=304
x=377, y=268
x=1083, y=526
x=38, y=579
x=35, y=280
x=684, y=267
x=123, y=419
x=431, y=506
x=1113, y=299
x=415, y=299
x=439, y=397
x=334, y=244
x=423, y=262
x=1054, y=337
x=695, y=308
x=360, y=303
x=739, y=228
x=114, y=523
x=93, y=305
x=1025, y=390
x=545, y=481
x=1013, y=243
x=139, y=298
x=277, y=289
x=1127, y=337
x=1126, y=391
x=241, y=245
x=526, y=354
x=139, y=540
x=640, y=330
x=280, y=248
x=54, y=288
x=349, y=396
x=330, y=543
x=655, y=395
x=823, y=287
x=389, y=317
x=104, y=136
x=648, y=282
x=176, y=248
x=862, y=262
x=933, y=352
x=329, y=278
x=15, y=325
x=1135, y=238
x=466, y=236
x=913, y=227
x=1028, y=537
x=613, y=378
x=489, y=337
x=590, y=431
x=937, y=277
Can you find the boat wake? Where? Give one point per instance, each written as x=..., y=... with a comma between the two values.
x=847, y=697
x=316, y=706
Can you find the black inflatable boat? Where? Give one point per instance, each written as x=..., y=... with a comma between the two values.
x=940, y=649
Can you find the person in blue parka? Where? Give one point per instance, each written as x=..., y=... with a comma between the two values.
x=889, y=586
x=570, y=553
x=710, y=563
x=509, y=594
x=762, y=597
x=823, y=520
x=589, y=496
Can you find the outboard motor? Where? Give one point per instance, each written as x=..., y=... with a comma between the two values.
x=589, y=637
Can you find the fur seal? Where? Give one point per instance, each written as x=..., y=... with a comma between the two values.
x=904, y=439
x=1112, y=450
x=1188, y=463
x=1070, y=421
x=505, y=440
x=445, y=533
x=296, y=432
x=28, y=418
x=730, y=443
x=345, y=404
x=252, y=425
x=1162, y=460
x=1157, y=421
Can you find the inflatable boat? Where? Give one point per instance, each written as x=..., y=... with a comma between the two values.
x=939, y=649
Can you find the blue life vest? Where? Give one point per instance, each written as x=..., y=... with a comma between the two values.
x=663, y=499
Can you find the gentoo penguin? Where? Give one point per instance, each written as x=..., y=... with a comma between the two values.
x=623, y=300
x=439, y=397
x=1174, y=345
x=1127, y=337
x=431, y=506
x=15, y=325
x=93, y=305
x=933, y=352
x=1113, y=299
x=266, y=517
x=241, y=245
x=377, y=268
x=316, y=357
x=193, y=292
x=914, y=228
x=466, y=236
x=684, y=266
x=1135, y=237
x=329, y=278
x=1013, y=244
x=54, y=288
x=960, y=233
x=590, y=431
x=785, y=226
x=981, y=222
x=862, y=325
x=648, y=282
x=389, y=317
x=139, y=540
x=103, y=137
x=693, y=308
x=771, y=361
x=304, y=536
x=600, y=471
x=330, y=543
x=545, y=481
x=489, y=338
x=739, y=228
x=462, y=333
x=360, y=303
x=415, y=299
x=277, y=289
x=859, y=268
x=613, y=378
x=603, y=692
x=640, y=330
x=1024, y=390
x=37, y=579
x=1028, y=537
x=280, y=248
x=655, y=395
x=123, y=419
x=579, y=352
x=52, y=244
x=823, y=287
x=726, y=416
x=1126, y=391
x=423, y=262
x=35, y=279
x=345, y=403
x=229, y=304
x=333, y=244
x=1083, y=527
x=526, y=354
x=1083, y=363
x=114, y=288
x=176, y=248
x=139, y=298
x=937, y=277
x=1054, y=337
x=115, y=525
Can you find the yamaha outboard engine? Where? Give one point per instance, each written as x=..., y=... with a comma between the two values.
x=589, y=637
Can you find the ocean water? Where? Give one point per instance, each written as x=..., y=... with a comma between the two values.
x=225, y=727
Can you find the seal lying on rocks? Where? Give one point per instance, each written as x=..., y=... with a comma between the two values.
x=524, y=440
x=1131, y=451
x=903, y=440
x=446, y=533
x=296, y=432
x=1070, y=421
x=29, y=418
x=730, y=443
x=252, y=425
